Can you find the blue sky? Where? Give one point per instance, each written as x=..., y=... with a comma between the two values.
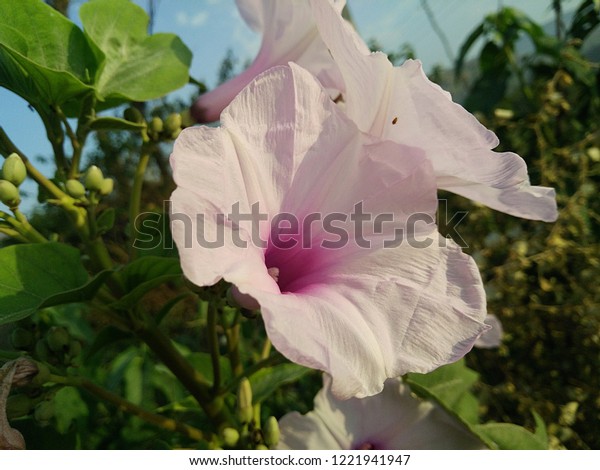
x=211, y=27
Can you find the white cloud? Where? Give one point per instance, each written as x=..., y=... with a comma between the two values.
x=184, y=19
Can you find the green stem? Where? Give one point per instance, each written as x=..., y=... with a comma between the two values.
x=190, y=378
x=233, y=346
x=24, y=230
x=122, y=404
x=12, y=233
x=136, y=197
x=32, y=234
x=213, y=342
x=56, y=137
x=75, y=143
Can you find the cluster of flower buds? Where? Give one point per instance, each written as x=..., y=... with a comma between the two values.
x=54, y=346
x=250, y=435
x=156, y=129
x=94, y=182
x=13, y=174
x=31, y=397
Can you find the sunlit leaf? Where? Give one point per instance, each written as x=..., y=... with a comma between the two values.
x=136, y=66
x=44, y=57
x=144, y=275
x=35, y=276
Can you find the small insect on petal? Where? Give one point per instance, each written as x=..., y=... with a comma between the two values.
x=395, y=120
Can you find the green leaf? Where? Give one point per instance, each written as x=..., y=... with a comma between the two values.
x=106, y=220
x=450, y=387
x=506, y=436
x=69, y=407
x=116, y=124
x=35, y=276
x=136, y=66
x=144, y=275
x=202, y=362
x=266, y=381
x=44, y=57
x=540, y=428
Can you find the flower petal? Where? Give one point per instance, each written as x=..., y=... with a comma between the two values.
x=394, y=419
x=289, y=34
x=401, y=104
x=493, y=337
x=380, y=315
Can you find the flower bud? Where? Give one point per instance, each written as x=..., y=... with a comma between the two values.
x=18, y=406
x=42, y=352
x=155, y=127
x=132, y=114
x=58, y=338
x=42, y=376
x=9, y=194
x=14, y=170
x=107, y=186
x=44, y=411
x=173, y=125
x=271, y=431
x=75, y=189
x=230, y=436
x=244, y=401
x=21, y=338
x=94, y=178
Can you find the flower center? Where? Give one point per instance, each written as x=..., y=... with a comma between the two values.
x=366, y=446
x=274, y=273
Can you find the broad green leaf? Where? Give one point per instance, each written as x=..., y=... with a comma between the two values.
x=44, y=57
x=136, y=66
x=266, y=381
x=448, y=383
x=144, y=275
x=506, y=436
x=450, y=387
x=39, y=275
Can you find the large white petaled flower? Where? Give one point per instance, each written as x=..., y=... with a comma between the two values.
x=289, y=34
x=394, y=419
x=401, y=104
x=361, y=314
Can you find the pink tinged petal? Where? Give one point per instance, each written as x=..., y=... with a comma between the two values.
x=493, y=337
x=360, y=314
x=289, y=34
x=394, y=419
x=209, y=181
x=380, y=314
x=401, y=104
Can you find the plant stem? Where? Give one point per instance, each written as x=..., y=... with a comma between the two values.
x=152, y=418
x=190, y=378
x=28, y=229
x=213, y=342
x=233, y=347
x=136, y=196
x=20, y=228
